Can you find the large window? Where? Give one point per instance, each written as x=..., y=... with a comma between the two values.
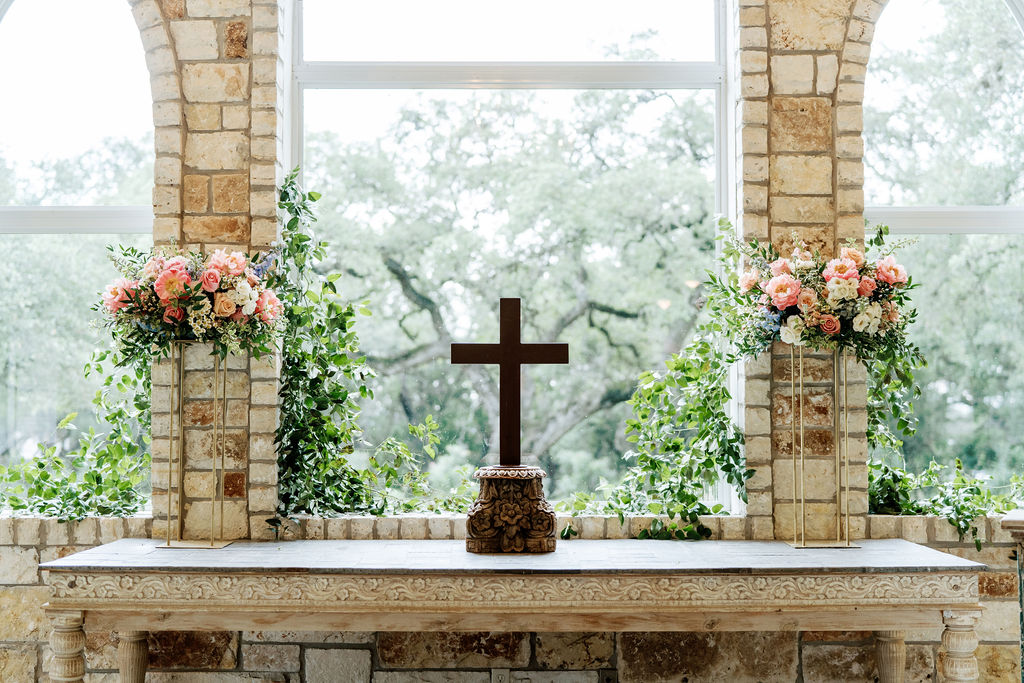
x=563, y=153
x=75, y=175
x=944, y=157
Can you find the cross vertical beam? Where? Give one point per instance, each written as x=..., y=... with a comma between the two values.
x=510, y=354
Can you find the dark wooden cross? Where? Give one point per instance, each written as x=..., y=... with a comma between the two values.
x=509, y=354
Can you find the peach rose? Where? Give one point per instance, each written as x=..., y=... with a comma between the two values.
x=210, y=279
x=748, y=280
x=251, y=278
x=222, y=305
x=867, y=286
x=154, y=266
x=172, y=283
x=780, y=267
x=892, y=313
x=829, y=324
x=235, y=263
x=174, y=314
x=891, y=272
x=239, y=317
x=807, y=300
x=268, y=306
x=840, y=267
x=784, y=290
x=116, y=294
x=855, y=255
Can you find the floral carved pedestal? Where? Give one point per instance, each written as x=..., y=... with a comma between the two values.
x=511, y=514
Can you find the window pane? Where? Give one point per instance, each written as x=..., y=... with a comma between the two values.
x=595, y=207
x=944, y=119
x=48, y=284
x=581, y=30
x=970, y=325
x=76, y=123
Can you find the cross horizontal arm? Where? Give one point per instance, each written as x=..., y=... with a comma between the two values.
x=544, y=354
x=475, y=354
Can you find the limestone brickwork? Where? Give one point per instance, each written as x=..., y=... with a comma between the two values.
x=801, y=73
x=214, y=71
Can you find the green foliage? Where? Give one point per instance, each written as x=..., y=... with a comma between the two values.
x=107, y=472
x=323, y=378
x=684, y=438
x=958, y=498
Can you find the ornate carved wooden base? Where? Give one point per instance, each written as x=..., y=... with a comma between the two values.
x=511, y=514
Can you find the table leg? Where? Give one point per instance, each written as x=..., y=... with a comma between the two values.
x=891, y=656
x=960, y=641
x=67, y=640
x=132, y=655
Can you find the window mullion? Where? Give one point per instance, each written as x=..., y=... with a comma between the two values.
x=568, y=75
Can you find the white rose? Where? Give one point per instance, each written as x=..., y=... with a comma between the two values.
x=249, y=308
x=861, y=322
x=792, y=331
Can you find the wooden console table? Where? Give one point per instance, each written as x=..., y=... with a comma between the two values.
x=886, y=586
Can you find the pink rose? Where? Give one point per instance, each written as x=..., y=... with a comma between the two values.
x=174, y=314
x=748, y=280
x=239, y=317
x=855, y=255
x=116, y=294
x=807, y=300
x=840, y=267
x=222, y=305
x=268, y=306
x=891, y=272
x=251, y=278
x=217, y=261
x=154, y=266
x=867, y=286
x=211, y=280
x=235, y=263
x=171, y=284
x=784, y=290
x=780, y=267
x=829, y=324
x=176, y=263
x=892, y=313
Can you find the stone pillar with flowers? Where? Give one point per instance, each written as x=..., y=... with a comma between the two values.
x=214, y=68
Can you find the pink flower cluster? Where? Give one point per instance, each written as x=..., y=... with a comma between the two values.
x=857, y=294
x=207, y=291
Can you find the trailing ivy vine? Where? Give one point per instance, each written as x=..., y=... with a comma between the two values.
x=323, y=378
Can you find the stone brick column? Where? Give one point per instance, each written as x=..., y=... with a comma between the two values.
x=214, y=69
x=802, y=66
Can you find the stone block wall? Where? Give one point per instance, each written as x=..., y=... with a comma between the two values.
x=801, y=73
x=215, y=72
x=347, y=657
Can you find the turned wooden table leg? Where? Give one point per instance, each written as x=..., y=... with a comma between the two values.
x=960, y=641
x=67, y=640
x=891, y=656
x=132, y=655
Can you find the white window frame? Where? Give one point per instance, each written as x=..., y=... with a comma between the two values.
x=576, y=75
x=333, y=75
x=953, y=220
x=68, y=220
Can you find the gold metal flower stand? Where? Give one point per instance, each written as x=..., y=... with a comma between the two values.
x=176, y=454
x=840, y=447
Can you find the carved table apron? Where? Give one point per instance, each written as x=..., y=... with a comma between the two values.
x=886, y=586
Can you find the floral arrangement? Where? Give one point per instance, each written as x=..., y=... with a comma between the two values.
x=857, y=301
x=173, y=294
